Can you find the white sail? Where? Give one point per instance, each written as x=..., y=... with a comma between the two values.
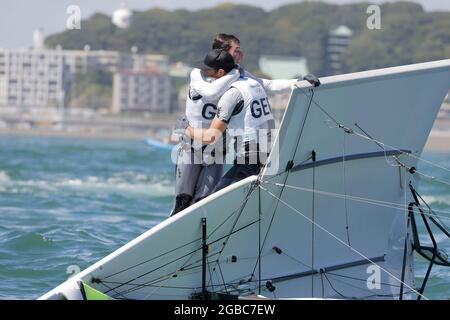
x=325, y=228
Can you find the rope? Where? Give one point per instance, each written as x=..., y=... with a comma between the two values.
x=223, y=279
x=323, y=288
x=210, y=275
x=312, y=229
x=342, y=242
x=405, y=245
x=285, y=178
x=362, y=280
x=259, y=240
x=364, y=289
x=329, y=282
x=172, y=250
x=253, y=187
x=375, y=202
x=296, y=260
x=379, y=143
x=151, y=259
x=345, y=190
x=192, y=253
x=146, y=273
x=332, y=273
x=432, y=211
x=244, y=202
x=165, y=278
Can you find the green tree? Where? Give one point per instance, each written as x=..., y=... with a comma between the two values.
x=408, y=34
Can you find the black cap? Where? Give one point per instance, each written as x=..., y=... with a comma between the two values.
x=218, y=59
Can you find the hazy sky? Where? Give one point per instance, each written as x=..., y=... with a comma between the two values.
x=21, y=17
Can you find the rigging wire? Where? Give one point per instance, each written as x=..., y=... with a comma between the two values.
x=252, y=188
x=221, y=274
x=364, y=289
x=342, y=242
x=432, y=212
x=155, y=269
x=375, y=202
x=342, y=195
x=171, y=250
x=346, y=130
x=165, y=278
x=151, y=259
x=412, y=170
x=192, y=254
x=345, y=189
x=286, y=172
x=329, y=282
x=379, y=143
x=210, y=274
x=406, y=240
x=313, y=228
x=359, y=279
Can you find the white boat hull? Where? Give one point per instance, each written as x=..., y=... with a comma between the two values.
x=307, y=232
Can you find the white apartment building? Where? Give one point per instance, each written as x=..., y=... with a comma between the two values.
x=31, y=78
x=41, y=78
x=141, y=91
x=338, y=41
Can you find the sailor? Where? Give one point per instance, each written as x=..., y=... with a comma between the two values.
x=232, y=44
x=197, y=170
x=196, y=181
x=256, y=119
x=243, y=111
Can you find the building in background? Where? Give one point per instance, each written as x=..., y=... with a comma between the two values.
x=81, y=61
x=282, y=67
x=142, y=85
x=141, y=91
x=33, y=78
x=42, y=78
x=121, y=17
x=180, y=70
x=444, y=112
x=338, y=41
x=38, y=39
x=180, y=74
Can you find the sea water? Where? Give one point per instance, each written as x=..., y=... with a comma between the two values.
x=65, y=203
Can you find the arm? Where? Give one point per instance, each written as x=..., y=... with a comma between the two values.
x=215, y=89
x=274, y=86
x=210, y=135
x=225, y=109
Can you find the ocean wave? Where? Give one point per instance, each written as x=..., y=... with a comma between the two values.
x=124, y=183
x=437, y=200
x=4, y=177
x=440, y=274
x=154, y=189
x=440, y=238
x=26, y=241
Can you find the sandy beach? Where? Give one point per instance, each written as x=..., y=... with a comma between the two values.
x=76, y=134
x=438, y=141
x=155, y=126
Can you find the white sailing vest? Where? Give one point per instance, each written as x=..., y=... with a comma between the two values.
x=256, y=113
x=200, y=111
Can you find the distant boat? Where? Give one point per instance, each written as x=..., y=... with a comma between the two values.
x=159, y=145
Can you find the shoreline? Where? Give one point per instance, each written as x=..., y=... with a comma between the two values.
x=438, y=141
x=70, y=134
